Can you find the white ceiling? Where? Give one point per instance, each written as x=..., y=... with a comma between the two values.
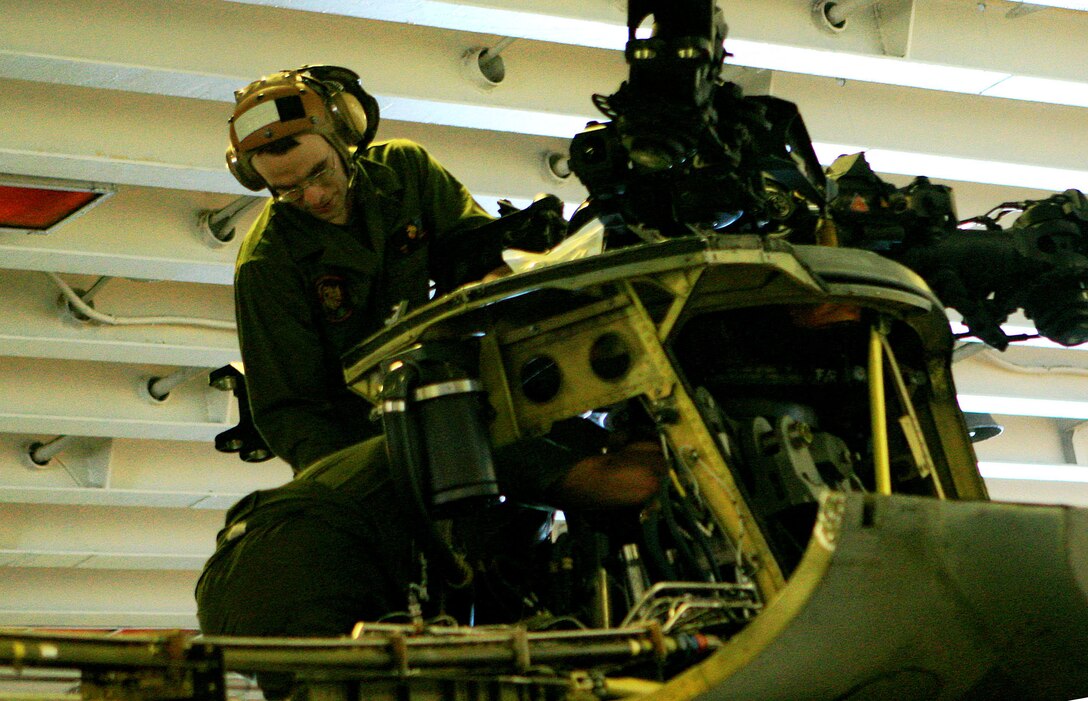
x=135, y=94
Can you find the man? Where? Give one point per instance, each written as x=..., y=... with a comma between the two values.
x=348, y=238
x=350, y=234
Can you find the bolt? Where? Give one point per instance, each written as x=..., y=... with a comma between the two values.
x=799, y=434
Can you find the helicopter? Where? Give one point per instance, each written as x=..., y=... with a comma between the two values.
x=780, y=330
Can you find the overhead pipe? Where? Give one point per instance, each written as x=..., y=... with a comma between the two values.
x=483, y=66
x=556, y=166
x=88, y=464
x=158, y=388
x=95, y=288
x=217, y=226
x=831, y=15
x=42, y=453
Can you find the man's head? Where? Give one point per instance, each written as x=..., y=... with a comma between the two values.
x=307, y=172
x=274, y=114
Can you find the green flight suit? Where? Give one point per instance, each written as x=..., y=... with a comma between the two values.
x=334, y=545
x=306, y=291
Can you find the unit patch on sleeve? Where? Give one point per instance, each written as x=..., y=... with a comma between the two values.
x=332, y=291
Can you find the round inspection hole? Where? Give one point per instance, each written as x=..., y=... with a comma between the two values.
x=540, y=378
x=610, y=357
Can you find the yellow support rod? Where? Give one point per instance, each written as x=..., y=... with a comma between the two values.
x=912, y=428
x=878, y=412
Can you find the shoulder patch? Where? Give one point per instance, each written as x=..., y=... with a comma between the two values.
x=409, y=238
x=332, y=292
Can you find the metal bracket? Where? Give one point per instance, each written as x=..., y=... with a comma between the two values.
x=1074, y=436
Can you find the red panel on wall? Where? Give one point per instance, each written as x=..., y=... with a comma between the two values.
x=39, y=209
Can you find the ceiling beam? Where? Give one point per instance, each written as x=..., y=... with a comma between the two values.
x=143, y=472
x=942, y=43
x=36, y=397
x=36, y=322
x=68, y=596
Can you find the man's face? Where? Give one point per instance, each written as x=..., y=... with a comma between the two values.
x=313, y=173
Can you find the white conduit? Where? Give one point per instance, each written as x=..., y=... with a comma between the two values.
x=160, y=387
x=42, y=453
x=838, y=11
x=91, y=313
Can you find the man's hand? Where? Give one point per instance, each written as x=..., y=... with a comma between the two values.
x=626, y=476
x=501, y=271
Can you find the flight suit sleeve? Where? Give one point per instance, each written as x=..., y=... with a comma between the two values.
x=448, y=203
x=451, y=211
x=296, y=404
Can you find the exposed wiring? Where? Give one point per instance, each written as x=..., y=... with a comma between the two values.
x=91, y=313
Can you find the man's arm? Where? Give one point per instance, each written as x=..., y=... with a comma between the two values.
x=451, y=212
x=581, y=466
x=629, y=475
x=287, y=374
x=444, y=199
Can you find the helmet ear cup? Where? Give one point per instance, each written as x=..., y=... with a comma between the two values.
x=348, y=114
x=354, y=110
x=243, y=171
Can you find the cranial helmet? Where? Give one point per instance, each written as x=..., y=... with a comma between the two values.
x=324, y=100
